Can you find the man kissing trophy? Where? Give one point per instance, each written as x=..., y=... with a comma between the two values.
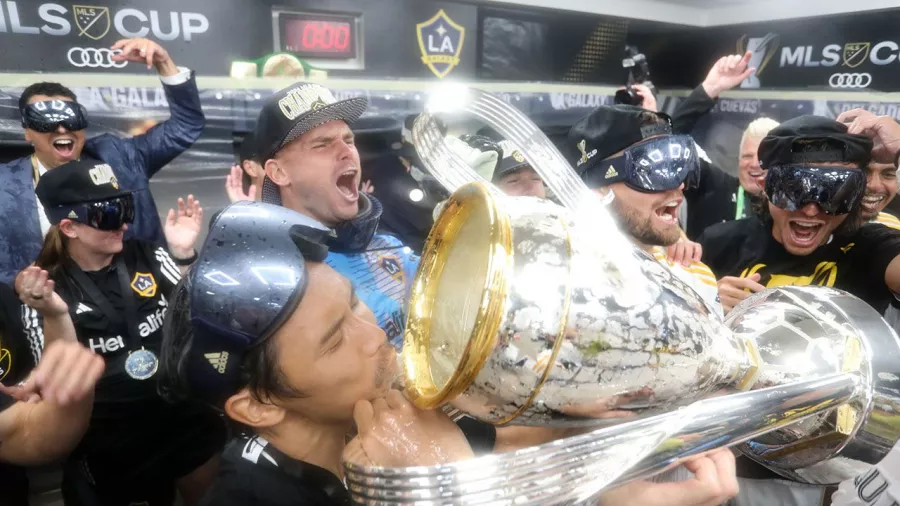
x=522, y=308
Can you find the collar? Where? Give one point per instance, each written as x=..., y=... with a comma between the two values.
x=355, y=235
x=259, y=452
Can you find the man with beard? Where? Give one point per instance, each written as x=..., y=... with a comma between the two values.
x=55, y=125
x=266, y=332
x=312, y=167
x=629, y=154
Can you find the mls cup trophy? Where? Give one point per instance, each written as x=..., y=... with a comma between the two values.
x=525, y=312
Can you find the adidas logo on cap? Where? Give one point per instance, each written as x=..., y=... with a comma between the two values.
x=73, y=215
x=219, y=361
x=611, y=172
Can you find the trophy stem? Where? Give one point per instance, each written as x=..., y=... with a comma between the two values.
x=578, y=468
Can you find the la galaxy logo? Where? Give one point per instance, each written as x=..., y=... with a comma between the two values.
x=144, y=284
x=441, y=41
x=855, y=53
x=103, y=174
x=391, y=264
x=92, y=21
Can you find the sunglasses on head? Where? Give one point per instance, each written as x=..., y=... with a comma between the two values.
x=105, y=215
x=47, y=116
x=655, y=165
x=836, y=190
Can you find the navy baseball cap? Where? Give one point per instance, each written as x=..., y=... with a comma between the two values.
x=249, y=277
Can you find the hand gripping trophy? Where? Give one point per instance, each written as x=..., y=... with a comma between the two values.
x=522, y=308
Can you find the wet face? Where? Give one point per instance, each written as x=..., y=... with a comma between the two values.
x=524, y=182
x=750, y=173
x=101, y=242
x=881, y=186
x=321, y=171
x=649, y=218
x=55, y=148
x=804, y=230
x=332, y=350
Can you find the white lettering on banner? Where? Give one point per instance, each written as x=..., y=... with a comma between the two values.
x=153, y=322
x=128, y=22
x=892, y=110
x=851, y=55
x=563, y=101
x=108, y=345
x=745, y=106
x=108, y=99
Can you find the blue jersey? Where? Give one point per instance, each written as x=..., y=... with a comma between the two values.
x=382, y=276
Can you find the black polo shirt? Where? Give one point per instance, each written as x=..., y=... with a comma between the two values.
x=21, y=337
x=855, y=264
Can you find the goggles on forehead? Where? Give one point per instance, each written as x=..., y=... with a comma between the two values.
x=836, y=190
x=656, y=165
x=249, y=277
x=49, y=115
x=107, y=215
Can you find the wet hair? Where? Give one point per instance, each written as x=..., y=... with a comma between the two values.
x=48, y=89
x=260, y=372
x=54, y=251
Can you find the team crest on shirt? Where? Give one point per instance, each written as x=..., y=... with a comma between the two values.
x=5, y=362
x=144, y=284
x=391, y=264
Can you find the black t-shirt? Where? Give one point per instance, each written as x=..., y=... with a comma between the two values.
x=20, y=344
x=123, y=406
x=253, y=473
x=854, y=264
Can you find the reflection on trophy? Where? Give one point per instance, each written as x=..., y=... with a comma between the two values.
x=526, y=312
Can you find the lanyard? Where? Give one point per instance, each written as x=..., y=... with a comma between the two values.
x=103, y=303
x=739, y=208
x=36, y=173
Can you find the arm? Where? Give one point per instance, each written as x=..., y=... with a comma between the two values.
x=38, y=432
x=182, y=229
x=724, y=75
x=172, y=137
x=38, y=292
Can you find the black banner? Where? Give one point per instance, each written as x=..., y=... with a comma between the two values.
x=835, y=53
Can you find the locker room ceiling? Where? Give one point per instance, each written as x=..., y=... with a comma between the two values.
x=708, y=12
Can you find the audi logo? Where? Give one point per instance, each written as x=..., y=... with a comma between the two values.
x=94, y=58
x=850, y=80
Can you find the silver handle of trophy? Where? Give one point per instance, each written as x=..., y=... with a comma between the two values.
x=577, y=469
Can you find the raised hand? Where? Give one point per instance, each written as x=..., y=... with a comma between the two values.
x=37, y=291
x=727, y=73
x=141, y=50
x=66, y=374
x=883, y=130
x=234, y=186
x=183, y=227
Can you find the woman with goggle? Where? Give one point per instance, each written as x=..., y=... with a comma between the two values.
x=138, y=449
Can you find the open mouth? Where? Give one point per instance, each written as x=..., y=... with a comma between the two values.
x=348, y=184
x=64, y=147
x=872, y=202
x=668, y=213
x=804, y=233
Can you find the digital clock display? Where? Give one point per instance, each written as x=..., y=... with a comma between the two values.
x=322, y=37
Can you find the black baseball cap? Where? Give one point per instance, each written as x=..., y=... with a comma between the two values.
x=78, y=182
x=610, y=129
x=811, y=139
x=512, y=160
x=297, y=109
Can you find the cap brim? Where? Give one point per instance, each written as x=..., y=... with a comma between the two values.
x=348, y=110
x=504, y=170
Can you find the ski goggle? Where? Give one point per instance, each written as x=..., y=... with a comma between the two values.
x=836, y=190
x=106, y=215
x=47, y=116
x=249, y=277
x=653, y=166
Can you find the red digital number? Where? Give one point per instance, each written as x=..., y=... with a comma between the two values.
x=325, y=36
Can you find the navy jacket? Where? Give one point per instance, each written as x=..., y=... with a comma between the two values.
x=134, y=162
